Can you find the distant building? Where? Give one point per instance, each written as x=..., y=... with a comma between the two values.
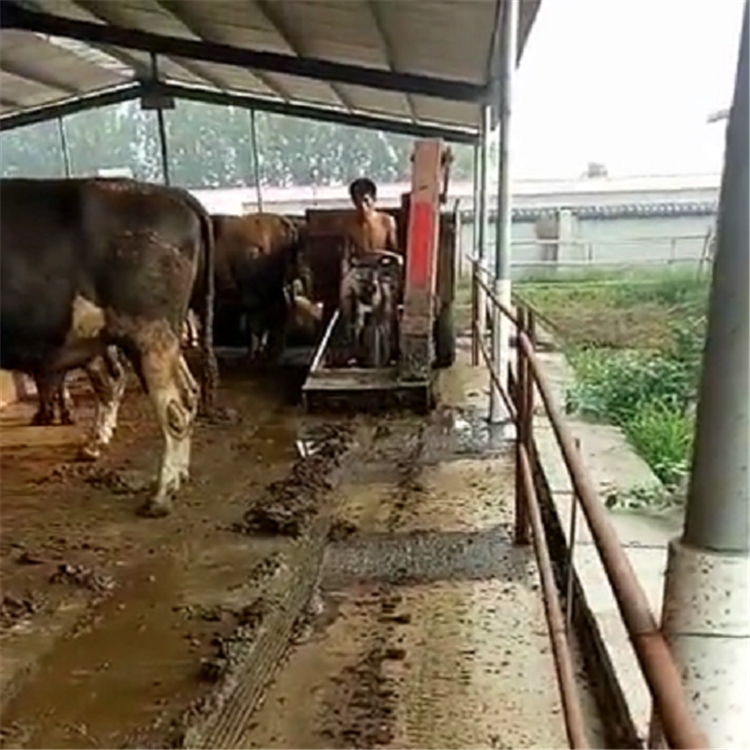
x=591, y=220
x=115, y=172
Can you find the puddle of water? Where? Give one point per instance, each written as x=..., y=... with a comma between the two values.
x=131, y=660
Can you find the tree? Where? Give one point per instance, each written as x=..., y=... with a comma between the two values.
x=210, y=146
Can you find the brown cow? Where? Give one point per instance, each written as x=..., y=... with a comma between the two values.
x=90, y=263
x=258, y=256
x=107, y=379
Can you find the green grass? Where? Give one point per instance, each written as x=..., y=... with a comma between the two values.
x=635, y=344
x=633, y=310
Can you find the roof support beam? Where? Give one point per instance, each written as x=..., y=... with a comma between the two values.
x=71, y=106
x=19, y=71
x=194, y=26
x=376, y=12
x=95, y=10
x=15, y=16
x=272, y=16
x=223, y=98
x=320, y=114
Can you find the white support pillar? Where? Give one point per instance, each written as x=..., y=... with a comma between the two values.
x=501, y=326
x=484, y=189
x=706, y=611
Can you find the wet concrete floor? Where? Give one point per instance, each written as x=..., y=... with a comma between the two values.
x=107, y=617
x=113, y=627
x=433, y=631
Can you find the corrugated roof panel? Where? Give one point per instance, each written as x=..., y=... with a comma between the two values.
x=435, y=38
x=430, y=109
x=442, y=38
x=380, y=102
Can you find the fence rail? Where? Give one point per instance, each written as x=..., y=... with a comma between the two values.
x=651, y=649
x=531, y=254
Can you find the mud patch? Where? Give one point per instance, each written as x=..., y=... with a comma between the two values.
x=341, y=530
x=221, y=416
x=362, y=711
x=288, y=506
x=230, y=649
x=16, y=608
x=79, y=575
x=119, y=481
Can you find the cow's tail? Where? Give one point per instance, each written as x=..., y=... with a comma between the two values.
x=209, y=380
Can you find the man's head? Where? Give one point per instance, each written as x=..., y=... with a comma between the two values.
x=363, y=193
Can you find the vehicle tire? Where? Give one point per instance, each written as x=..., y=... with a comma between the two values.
x=373, y=345
x=444, y=333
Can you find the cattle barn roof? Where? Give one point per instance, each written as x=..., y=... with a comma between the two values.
x=408, y=65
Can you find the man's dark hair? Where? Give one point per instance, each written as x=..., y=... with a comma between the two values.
x=363, y=186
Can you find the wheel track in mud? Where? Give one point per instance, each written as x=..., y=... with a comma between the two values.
x=221, y=723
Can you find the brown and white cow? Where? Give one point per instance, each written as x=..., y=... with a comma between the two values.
x=261, y=279
x=91, y=263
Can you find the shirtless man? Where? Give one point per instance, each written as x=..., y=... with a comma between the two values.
x=370, y=229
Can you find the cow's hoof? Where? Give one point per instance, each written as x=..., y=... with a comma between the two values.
x=154, y=508
x=40, y=420
x=89, y=453
x=67, y=419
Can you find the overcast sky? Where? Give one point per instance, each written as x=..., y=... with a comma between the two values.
x=628, y=83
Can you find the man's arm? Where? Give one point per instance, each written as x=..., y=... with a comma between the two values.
x=392, y=234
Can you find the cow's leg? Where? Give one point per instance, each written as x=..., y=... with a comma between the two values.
x=65, y=402
x=190, y=391
x=108, y=381
x=175, y=398
x=46, y=387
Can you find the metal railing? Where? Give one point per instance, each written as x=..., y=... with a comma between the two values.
x=652, y=651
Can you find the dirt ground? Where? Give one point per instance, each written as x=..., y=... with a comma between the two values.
x=111, y=624
x=365, y=595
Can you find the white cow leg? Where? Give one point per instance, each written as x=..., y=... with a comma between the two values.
x=109, y=391
x=172, y=391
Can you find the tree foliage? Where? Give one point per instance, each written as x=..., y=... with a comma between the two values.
x=210, y=146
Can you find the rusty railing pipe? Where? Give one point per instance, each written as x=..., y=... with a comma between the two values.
x=495, y=378
x=520, y=516
x=575, y=725
x=652, y=651
x=492, y=297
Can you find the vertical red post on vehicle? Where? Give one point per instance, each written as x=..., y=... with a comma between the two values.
x=421, y=260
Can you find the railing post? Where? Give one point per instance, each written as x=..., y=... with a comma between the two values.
x=529, y=407
x=569, y=570
x=474, y=312
x=521, y=534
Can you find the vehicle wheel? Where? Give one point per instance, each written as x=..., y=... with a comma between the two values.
x=444, y=333
x=371, y=345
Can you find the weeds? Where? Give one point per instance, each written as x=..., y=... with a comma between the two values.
x=636, y=352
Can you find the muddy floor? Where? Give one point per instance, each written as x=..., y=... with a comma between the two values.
x=347, y=583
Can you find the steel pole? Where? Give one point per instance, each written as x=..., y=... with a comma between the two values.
x=256, y=163
x=160, y=124
x=475, y=201
x=706, y=612
x=481, y=326
x=503, y=222
x=475, y=211
x=163, y=145
x=64, y=146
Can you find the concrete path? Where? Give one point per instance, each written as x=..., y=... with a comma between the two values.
x=433, y=632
